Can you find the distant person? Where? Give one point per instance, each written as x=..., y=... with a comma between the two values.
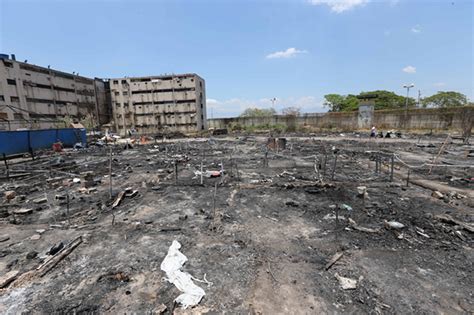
x=373, y=132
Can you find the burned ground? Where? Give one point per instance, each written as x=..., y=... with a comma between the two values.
x=261, y=235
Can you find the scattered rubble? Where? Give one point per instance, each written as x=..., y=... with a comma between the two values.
x=298, y=224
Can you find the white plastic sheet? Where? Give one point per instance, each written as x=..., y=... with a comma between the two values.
x=174, y=260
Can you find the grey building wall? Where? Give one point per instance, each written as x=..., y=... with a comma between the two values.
x=35, y=97
x=365, y=117
x=159, y=103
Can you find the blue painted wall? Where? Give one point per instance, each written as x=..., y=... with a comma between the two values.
x=14, y=142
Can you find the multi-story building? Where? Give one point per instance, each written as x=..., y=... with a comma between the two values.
x=156, y=104
x=35, y=97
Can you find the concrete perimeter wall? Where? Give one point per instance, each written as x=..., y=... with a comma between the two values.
x=420, y=118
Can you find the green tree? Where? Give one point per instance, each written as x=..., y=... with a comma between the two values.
x=382, y=100
x=334, y=102
x=340, y=103
x=258, y=112
x=389, y=100
x=445, y=99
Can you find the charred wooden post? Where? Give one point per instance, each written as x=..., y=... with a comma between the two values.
x=110, y=173
x=6, y=166
x=391, y=168
x=176, y=172
x=334, y=167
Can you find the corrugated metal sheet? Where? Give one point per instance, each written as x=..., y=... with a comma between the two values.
x=15, y=142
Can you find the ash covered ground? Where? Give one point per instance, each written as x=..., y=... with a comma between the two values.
x=279, y=232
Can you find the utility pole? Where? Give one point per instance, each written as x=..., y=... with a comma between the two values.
x=419, y=98
x=408, y=87
x=273, y=100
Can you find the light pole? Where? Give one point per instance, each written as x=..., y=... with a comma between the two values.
x=408, y=87
x=273, y=102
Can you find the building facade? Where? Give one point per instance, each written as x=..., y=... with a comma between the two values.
x=34, y=97
x=150, y=105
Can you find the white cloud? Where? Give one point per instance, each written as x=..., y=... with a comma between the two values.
x=340, y=6
x=439, y=84
x=290, y=52
x=211, y=101
x=416, y=29
x=409, y=69
x=235, y=106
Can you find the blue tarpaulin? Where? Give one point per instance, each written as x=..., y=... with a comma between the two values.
x=15, y=142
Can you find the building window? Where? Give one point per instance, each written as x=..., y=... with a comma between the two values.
x=11, y=81
x=17, y=116
x=117, y=93
x=14, y=99
x=2, y=98
x=115, y=81
x=8, y=64
x=125, y=93
x=28, y=74
x=124, y=81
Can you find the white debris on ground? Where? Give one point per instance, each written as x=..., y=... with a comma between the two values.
x=174, y=260
x=346, y=283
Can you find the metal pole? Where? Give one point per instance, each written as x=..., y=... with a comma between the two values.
x=176, y=172
x=377, y=164
x=406, y=100
x=325, y=162
x=67, y=209
x=201, y=173
x=391, y=169
x=110, y=173
x=334, y=167
x=222, y=172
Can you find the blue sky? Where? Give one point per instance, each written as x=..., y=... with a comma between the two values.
x=251, y=51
